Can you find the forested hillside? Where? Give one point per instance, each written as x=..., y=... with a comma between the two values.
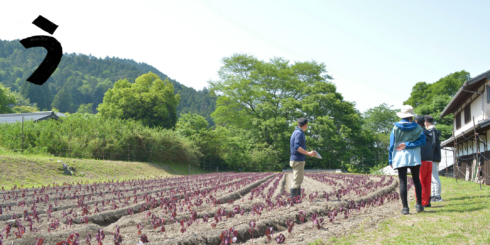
x=83, y=79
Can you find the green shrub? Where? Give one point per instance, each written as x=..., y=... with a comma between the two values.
x=90, y=136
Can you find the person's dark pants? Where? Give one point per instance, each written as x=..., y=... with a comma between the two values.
x=402, y=176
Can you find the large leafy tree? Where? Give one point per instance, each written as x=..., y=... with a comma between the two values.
x=23, y=105
x=63, y=100
x=190, y=124
x=149, y=100
x=431, y=99
x=6, y=99
x=85, y=108
x=266, y=99
x=379, y=121
x=38, y=94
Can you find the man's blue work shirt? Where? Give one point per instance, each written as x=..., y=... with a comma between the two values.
x=297, y=140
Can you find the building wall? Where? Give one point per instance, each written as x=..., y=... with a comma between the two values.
x=476, y=111
x=469, y=147
x=466, y=152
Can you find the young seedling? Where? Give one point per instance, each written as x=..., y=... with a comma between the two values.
x=319, y=223
x=302, y=215
x=252, y=225
x=117, y=237
x=73, y=238
x=39, y=241
x=228, y=236
x=183, y=223
x=313, y=218
x=99, y=236
x=162, y=229
x=268, y=233
x=280, y=238
x=88, y=239
x=143, y=239
x=290, y=225
x=140, y=227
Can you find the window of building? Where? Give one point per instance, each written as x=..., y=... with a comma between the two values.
x=458, y=120
x=488, y=94
x=467, y=114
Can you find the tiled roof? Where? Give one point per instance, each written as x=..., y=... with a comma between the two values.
x=461, y=95
x=36, y=116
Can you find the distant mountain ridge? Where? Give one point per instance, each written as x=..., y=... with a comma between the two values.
x=85, y=79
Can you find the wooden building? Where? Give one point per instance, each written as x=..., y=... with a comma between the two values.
x=471, y=130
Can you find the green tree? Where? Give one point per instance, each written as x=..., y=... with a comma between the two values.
x=99, y=91
x=6, y=100
x=21, y=101
x=190, y=124
x=63, y=101
x=38, y=94
x=431, y=99
x=265, y=99
x=379, y=121
x=85, y=108
x=149, y=100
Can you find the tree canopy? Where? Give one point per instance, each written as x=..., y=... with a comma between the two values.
x=267, y=98
x=6, y=99
x=380, y=121
x=432, y=98
x=149, y=100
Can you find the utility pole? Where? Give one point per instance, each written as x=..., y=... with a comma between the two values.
x=362, y=163
x=455, y=164
x=22, y=137
x=445, y=153
x=477, y=145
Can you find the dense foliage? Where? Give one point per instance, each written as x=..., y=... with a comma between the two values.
x=149, y=100
x=432, y=98
x=228, y=148
x=266, y=99
x=379, y=121
x=83, y=79
x=90, y=136
x=6, y=98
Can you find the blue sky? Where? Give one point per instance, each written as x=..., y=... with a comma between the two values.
x=375, y=50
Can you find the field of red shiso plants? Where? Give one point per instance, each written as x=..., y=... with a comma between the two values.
x=219, y=208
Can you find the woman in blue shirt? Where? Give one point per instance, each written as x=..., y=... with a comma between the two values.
x=405, y=141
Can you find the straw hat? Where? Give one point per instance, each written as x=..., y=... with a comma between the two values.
x=407, y=111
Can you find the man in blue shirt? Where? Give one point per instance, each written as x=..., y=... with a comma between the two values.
x=297, y=159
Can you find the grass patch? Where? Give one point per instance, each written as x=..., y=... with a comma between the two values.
x=38, y=170
x=462, y=218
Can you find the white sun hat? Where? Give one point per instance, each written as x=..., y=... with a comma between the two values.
x=407, y=111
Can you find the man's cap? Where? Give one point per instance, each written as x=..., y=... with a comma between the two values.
x=429, y=118
x=419, y=119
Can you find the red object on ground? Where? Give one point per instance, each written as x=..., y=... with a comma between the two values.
x=425, y=180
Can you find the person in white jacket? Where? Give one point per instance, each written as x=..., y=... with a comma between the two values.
x=436, y=182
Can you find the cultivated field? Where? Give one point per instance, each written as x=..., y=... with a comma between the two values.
x=197, y=209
